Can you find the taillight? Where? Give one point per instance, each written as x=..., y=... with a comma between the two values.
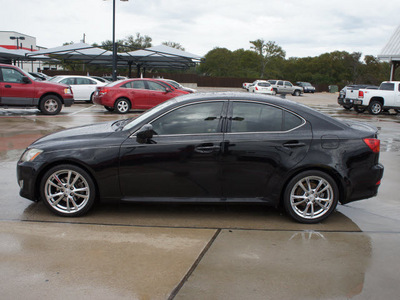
x=360, y=94
x=256, y=88
x=373, y=144
x=103, y=91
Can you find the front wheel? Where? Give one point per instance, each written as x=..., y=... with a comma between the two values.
x=375, y=108
x=311, y=196
x=296, y=93
x=50, y=105
x=67, y=190
x=122, y=106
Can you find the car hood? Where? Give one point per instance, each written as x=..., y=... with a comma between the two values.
x=50, y=83
x=76, y=135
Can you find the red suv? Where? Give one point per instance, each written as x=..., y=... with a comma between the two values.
x=139, y=93
x=18, y=88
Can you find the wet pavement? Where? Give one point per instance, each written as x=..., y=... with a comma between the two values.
x=160, y=251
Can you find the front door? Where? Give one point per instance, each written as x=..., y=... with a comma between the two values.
x=14, y=91
x=182, y=160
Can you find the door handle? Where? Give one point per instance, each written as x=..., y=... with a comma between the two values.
x=206, y=148
x=293, y=144
x=8, y=86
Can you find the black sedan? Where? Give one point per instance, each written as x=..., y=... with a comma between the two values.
x=217, y=147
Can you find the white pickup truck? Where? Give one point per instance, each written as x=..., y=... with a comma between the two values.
x=384, y=98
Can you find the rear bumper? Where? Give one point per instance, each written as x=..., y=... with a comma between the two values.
x=363, y=187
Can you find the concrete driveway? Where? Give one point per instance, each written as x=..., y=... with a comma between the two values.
x=159, y=251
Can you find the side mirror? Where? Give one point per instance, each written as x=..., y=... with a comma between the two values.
x=145, y=134
x=25, y=79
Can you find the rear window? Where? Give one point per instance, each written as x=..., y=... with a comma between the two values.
x=387, y=86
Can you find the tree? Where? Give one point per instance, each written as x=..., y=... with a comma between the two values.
x=138, y=42
x=267, y=51
x=174, y=45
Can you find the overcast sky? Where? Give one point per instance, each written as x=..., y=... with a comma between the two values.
x=301, y=28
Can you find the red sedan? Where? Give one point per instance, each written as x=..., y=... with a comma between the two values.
x=139, y=93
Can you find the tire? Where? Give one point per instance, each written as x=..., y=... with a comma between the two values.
x=274, y=92
x=347, y=107
x=359, y=109
x=296, y=93
x=122, y=106
x=67, y=191
x=397, y=110
x=310, y=197
x=109, y=108
x=375, y=108
x=50, y=105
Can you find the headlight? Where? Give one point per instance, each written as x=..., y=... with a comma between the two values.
x=30, y=154
x=67, y=91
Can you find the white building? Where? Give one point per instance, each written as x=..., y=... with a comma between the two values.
x=13, y=40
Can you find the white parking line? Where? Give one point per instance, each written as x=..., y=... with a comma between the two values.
x=79, y=111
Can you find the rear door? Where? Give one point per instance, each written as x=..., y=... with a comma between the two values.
x=157, y=93
x=262, y=144
x=13, y=90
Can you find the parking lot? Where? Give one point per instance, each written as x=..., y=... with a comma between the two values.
x=160, y=251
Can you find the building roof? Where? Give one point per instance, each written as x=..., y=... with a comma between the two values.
x=391, y=52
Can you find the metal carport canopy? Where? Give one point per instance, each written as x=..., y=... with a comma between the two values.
x=391, y=52
x=154, y=57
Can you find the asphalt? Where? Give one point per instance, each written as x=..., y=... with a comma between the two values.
x=154, y=251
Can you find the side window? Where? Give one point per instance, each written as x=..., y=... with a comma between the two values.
x=127, y=85
x=280, y=82
x=288, y=84
x=257, y=117
x=68, y=81
x=11, y=75
x=154, y=86
x=84, y=81
x=138, y=84
x=191, y=119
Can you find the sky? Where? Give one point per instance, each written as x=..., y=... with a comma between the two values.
x=302, y=28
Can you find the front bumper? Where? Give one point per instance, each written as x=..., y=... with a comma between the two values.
x=27, y=175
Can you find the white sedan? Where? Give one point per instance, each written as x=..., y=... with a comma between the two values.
x=83, y=87
x=261, y=86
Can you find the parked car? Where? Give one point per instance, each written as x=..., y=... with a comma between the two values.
x=246, y=85
x=139, y=93
x=349, y=94
x=307, y=87
x=39, y=76
x=285, y=87
x=386, y=97
x=178, y=86
x=110, y=79
x=20, y=89
x=83, y=87
x=261, y=87
x=208, y=147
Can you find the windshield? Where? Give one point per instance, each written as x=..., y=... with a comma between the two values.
x=306, y=84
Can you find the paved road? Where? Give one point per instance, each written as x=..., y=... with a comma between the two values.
x=149, y=251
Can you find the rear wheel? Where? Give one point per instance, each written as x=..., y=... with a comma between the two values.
x=311, y=196
x=122, y=106
x=67, y=190
x=375, y=108
x=347, y=107
x=50, y=105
